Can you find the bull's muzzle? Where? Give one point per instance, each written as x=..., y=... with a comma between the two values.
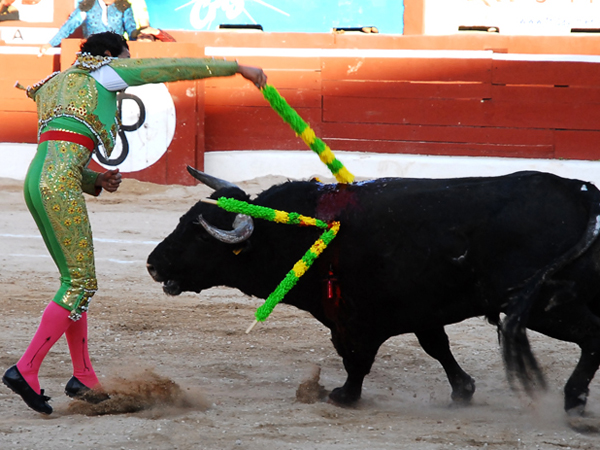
x=170, y=287
x=153, y=272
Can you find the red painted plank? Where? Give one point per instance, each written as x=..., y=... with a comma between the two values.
x=442, y=148
x=68, y=50
x=299, y=88
x=200, y=133
x=250, y=96
x=18, y=104
x=182, y=150
x=406, y=89
x=461, y=112
x=432, y=133
x=404, y=111
x=546, y=72
x=577, y=144
x=9, y=91
x=22, y=129
x=546, y=94
x=26, y=66
x=242, y=128
x=267, y=63
x=406, y=69
x=297, y=79
x=280, y=78
x=544, y=115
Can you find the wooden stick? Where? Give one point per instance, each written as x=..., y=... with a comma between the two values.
x=251, y=326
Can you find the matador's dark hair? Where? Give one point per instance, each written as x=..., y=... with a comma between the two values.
x=98, y=44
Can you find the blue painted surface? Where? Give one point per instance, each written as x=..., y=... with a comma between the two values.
x=305, y=16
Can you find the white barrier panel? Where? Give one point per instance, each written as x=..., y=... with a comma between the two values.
x=512, y=17
x=15, y=159
x=238, y=166
x=244, y=165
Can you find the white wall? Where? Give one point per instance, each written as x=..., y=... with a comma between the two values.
x=513, y=17
x=243, y=165
x=15, y=159
x=238, y=166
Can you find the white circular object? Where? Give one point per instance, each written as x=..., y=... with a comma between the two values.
x=151, y=111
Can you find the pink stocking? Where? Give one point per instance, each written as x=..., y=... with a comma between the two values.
x=78, y=346
x=55, y=321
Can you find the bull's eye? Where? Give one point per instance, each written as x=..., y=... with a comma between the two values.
x=203, y=237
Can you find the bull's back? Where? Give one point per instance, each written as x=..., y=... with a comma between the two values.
x=459, y=244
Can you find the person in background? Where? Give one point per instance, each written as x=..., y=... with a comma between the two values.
x=7, y=11
x=96, y=16
x=140, y=12
x=150, y=34
x=77, y=111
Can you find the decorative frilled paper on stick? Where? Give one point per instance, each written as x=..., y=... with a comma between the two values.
x=342, y=175
x=300, y=268
x=306, y=133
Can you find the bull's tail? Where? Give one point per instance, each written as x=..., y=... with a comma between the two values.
x=520, y=363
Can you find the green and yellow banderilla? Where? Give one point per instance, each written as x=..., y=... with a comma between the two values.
x=306, y=133
x=300, y=268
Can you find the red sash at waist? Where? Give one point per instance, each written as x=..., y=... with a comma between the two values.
x=76, y=138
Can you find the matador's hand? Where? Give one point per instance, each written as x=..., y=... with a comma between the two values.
x=254, y=74
x=109, y=180
x=44, y=49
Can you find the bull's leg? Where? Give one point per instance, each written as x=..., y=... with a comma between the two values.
x=583, y=328
x=573, y=323
x=358, y=356
x=435, y=343
x=577, y=388
x=350, y=392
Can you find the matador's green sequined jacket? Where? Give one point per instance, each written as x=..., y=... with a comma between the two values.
x=75, y=94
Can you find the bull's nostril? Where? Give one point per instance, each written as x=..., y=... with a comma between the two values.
x=151, y=270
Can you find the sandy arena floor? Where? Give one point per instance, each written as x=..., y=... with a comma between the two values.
x=184, y=375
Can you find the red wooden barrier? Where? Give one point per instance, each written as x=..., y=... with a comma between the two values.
x=482, y=104
x=553, y=73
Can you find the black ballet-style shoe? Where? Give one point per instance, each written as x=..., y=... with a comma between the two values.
x=79, y=391
x=14, y=381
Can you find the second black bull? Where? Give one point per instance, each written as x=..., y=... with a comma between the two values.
x=412, y=256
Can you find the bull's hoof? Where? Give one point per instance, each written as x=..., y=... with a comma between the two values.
x=575, y=404
x=576, y=411
x=463, y=394
x=341, y=397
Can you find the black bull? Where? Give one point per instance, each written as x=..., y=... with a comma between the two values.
x=412, y=256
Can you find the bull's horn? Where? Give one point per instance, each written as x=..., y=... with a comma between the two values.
x=212, y=182
x=243, y=226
